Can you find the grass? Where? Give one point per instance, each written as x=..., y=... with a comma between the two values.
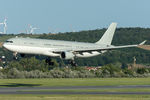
x=74, y=82
x=95, y=90
x=78, y=82
x=74, y=97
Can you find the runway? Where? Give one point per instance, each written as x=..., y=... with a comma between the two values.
x=47, y=90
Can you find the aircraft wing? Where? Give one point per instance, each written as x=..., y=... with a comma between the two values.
x=109, y=47
x=106, y=48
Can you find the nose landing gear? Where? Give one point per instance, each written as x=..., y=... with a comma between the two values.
x=15, y=57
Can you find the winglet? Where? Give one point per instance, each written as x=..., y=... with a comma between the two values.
x=143, y=42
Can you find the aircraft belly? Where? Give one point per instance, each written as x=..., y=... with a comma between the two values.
x=31, y=50
x=47, y=53
x=26, y=49
x=37, y=50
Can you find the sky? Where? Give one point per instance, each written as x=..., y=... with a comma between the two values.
x=73, y=15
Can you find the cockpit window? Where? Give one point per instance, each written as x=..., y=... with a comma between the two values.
x=9, y=41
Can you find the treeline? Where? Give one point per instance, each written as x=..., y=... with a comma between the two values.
x=107, y=71
x=34, y=68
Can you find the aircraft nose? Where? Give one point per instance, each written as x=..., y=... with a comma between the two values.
x=5, y=45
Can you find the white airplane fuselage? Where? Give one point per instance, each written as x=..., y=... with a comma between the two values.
x=47, y=47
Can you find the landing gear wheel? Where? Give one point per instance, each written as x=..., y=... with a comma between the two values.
x=73, y=63
x=22, y=55
x=15, y=58
x=49, y=61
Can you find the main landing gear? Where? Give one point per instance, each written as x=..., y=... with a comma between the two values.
x=22, y=55
x=73, y=63
x=49, y=61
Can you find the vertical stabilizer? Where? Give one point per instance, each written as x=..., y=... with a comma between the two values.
x=108, y=35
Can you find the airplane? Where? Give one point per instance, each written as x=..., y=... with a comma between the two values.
x=67, y=50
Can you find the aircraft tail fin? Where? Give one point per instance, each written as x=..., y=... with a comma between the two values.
x=108, y=35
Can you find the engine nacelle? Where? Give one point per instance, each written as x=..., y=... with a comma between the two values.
x=67, y=55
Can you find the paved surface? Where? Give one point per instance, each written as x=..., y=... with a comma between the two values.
x=37, y=90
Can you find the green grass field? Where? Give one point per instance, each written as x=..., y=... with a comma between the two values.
x=98, y=90
x=74, y=82
x=78, y=82
x=75, y=97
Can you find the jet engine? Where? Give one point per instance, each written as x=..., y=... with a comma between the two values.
x=67, y=55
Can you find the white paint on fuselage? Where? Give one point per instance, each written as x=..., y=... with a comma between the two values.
x=48, y=47
x=30, y=50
